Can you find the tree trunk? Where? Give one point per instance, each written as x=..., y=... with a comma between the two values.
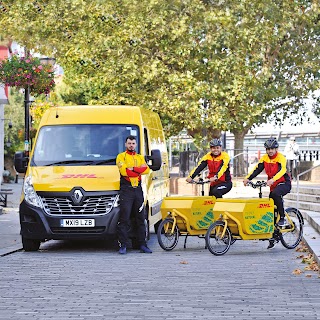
x=240, y=160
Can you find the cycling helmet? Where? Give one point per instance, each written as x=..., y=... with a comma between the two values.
x=215, y=143
x=271, y=143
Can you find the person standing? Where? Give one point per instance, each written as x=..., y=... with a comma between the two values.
x=292, y=154
x=219, y=175
x=131, y=167
x=274, y=164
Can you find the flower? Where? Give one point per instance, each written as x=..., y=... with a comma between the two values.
x=22, y=72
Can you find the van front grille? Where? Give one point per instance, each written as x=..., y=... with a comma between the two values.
x=91, y=205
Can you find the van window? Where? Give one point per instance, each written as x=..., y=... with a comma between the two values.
x=78, y=144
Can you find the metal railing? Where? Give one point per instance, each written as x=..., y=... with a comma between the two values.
x=298, y=178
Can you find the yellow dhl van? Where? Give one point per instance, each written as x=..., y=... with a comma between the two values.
x=72, y=182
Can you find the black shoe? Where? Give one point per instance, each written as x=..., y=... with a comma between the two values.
x=123, y=250
x=282, y=223
x=145, y=249
x=271, y=244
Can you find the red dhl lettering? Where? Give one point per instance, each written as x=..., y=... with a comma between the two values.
x=79, y=175
x=264, y=205
x=207, y=202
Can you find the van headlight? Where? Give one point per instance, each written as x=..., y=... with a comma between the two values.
x=30, y=195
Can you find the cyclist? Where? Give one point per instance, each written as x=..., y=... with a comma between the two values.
x=217, y=162
x=274, y=164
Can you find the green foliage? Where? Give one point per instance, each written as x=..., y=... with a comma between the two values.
x=22, y=72
x=251, y=60
x=15, y=113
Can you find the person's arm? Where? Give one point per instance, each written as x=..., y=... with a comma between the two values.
x=202, y=164
x=143, y=168
x=296, y=150
x=122, y=166
x=259, y=167
x=283, y=169
x=224, y=165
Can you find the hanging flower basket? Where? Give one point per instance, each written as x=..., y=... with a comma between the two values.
x=21, y=72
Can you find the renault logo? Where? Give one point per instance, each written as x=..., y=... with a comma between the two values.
x=77, y=196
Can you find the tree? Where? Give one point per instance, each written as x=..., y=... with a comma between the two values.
x=248, y=60
x=14, y=112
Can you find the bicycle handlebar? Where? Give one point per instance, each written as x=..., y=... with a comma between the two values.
x=200, y=181
x=258, y=184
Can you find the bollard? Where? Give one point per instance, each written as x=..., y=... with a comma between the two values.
x=17, y=177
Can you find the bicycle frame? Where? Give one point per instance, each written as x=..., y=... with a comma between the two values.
x=252, y=219
x=248, y=219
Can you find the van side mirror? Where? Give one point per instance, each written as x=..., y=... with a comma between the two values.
x=155, y=159
x=20, y=162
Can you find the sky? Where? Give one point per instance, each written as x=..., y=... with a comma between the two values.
x=308, y=126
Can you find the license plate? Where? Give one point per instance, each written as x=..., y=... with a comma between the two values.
x=77, y=223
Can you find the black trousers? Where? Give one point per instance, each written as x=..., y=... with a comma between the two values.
x=131, y=202
x=280, y=190
x=220, y=189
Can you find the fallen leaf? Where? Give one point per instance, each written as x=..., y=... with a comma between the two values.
x=297, y=271
x=183, y=262
x=308, y=275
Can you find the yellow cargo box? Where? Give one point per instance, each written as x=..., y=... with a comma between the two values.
x=256, y=216
x=197, y=210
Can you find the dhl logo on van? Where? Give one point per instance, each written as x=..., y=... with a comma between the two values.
x=79, y=175
x=264, y=205
x=207, y=202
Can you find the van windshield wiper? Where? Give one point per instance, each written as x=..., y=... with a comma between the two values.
x=81, y=162
x=59, y=163
x=99, y=162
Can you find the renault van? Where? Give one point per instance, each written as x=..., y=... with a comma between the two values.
x=71, y=185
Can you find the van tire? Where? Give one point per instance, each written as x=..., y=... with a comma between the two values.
x=30, y=244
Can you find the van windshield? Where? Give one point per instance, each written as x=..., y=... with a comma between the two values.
x=81, y=144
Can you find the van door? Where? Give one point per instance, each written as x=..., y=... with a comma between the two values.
x=153, y=183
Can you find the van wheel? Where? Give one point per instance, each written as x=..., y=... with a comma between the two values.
x=30, y=244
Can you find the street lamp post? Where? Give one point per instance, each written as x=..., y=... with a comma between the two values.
x=44, y=61
x=26, y=121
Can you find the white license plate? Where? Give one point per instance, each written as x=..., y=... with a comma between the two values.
x=77, y=223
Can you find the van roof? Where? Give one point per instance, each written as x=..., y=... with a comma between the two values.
x=94, y=114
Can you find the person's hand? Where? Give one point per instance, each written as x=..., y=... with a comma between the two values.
x=270, y=182
x=214, y=178
x=189, y=179
x=245, y=181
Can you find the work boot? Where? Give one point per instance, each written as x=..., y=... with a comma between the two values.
x=145, y=249
x=282, y=223
x=123, y=250
x=271, y=244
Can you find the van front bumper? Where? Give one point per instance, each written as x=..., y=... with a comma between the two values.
x=36, y=224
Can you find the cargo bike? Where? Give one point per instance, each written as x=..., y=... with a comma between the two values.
x=185, y=216
x=223, y=221
x=252, y=219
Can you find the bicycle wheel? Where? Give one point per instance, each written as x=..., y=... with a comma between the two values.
x=217, y=243
x=168, y=235
x=291, y=236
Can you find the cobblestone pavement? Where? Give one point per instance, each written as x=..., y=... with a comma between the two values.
x=91, y=281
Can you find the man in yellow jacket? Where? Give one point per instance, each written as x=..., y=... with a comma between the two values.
x=274, y=164
x=131, y=166
x=219, y=175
